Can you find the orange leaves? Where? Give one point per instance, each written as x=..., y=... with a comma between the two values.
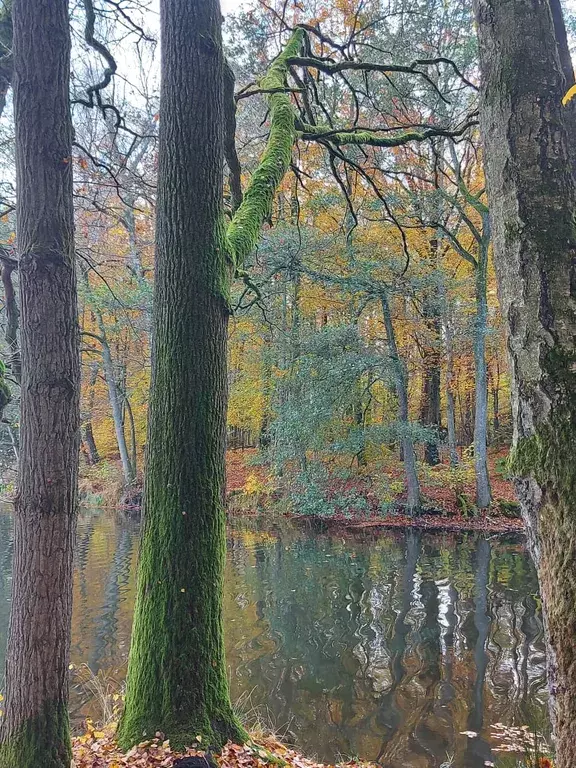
x=97, y=749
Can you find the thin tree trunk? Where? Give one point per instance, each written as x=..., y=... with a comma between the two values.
x=88, y=433
x=413, y=499
x=496, y=401
x=451, y=427
x=12, y=317
x=431, y=377
x=532, y=203
x=117, y=416
x=35, y=729
x=115, y=399
x=177, y=681
x=133, y=443
x=483, y=493
x=450, y=404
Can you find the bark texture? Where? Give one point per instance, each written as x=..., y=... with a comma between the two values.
x=35, y=727
x=532, y=203
x=177, y=679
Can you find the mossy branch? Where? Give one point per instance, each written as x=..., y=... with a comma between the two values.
x=373, y=138
x=243, y=231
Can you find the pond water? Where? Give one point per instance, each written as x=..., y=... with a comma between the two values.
x=383, y=646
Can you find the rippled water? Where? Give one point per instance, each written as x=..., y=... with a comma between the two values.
x=384, y=646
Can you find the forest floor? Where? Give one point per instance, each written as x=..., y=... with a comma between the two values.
x=448, y=494
x=97, y=749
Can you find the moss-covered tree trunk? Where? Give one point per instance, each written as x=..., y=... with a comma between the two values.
x=35, y=727
x=177, y=677
x=532, y=204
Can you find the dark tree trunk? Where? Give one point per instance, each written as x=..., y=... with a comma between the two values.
x=177, y=681
x=430, y=412
x=532, y=203
x=35, y=728
x=92, y=455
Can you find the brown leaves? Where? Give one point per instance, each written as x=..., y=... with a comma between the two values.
x=98, y=749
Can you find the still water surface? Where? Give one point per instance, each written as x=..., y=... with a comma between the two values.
x=384, y=646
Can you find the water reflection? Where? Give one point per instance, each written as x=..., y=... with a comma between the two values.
x=383, y=646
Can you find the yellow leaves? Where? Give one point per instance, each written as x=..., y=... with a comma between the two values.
x=569, y=95
x=254, y=485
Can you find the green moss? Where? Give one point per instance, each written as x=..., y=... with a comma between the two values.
x=509, y=509
x=547, y=455
x=42, y=741
x=177, y=680
x=244, y=229
x=370, y=138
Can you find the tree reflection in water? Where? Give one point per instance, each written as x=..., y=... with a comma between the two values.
x=386, y=646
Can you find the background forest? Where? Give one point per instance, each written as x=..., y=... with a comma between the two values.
x=367, y=363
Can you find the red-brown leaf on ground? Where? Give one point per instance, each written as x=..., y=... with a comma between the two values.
x=97, y=749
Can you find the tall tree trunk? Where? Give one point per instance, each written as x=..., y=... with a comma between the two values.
x=35, y=728
x=532, y=203
x=115, y=398
x=177, y=681
x=413, y=498
x=483, y=493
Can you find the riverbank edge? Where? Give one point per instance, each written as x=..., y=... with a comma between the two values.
x=426, y=522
